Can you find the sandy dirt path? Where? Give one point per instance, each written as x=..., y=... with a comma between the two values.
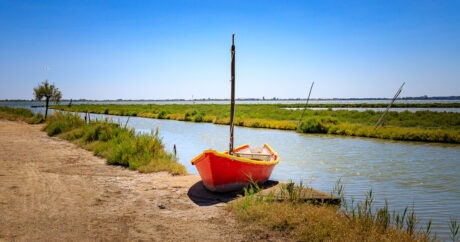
x=52, y=190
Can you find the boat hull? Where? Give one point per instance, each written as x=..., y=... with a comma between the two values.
x=221, y=172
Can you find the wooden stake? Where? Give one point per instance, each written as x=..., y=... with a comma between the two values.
x=380, y=121
x=306, y=104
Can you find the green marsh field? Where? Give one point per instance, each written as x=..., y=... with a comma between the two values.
x=425, y=126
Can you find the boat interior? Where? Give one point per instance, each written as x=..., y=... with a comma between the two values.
x=256, y=153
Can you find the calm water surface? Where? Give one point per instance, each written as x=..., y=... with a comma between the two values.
x=422, y=175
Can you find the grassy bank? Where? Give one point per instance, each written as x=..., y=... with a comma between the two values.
x=407, y=126
x=20, y=114
x=119, y=145
x=262, y=217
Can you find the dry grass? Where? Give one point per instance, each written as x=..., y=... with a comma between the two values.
x=163, y=165
x=306, y=222
x=265, y=218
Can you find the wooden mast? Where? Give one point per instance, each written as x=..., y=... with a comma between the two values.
x=232, y=97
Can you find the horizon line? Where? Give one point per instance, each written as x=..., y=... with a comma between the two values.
x=424, y=97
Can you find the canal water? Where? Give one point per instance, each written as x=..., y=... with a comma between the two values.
x=408, y=174
x=423, y=176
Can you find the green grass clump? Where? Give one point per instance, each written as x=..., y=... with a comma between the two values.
x=119, y=145
x=60, y=123
x=317, y=125
x=21, y=114
x=262, y=216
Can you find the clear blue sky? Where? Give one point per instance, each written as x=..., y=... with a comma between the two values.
x=178, y=49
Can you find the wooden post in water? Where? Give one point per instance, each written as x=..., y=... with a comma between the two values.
x=306, y=104
x=126, y=124
x=232, y=97
x=389, y=106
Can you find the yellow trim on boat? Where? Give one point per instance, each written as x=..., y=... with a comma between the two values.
x=241, y=159
x=272, y=151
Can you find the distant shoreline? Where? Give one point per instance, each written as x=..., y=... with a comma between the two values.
x=242, y=99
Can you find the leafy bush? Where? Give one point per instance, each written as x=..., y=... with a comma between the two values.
x=162, y=114
x=61, y=123
x=199, y=118
x=54, y=128
x=92, y=133
x=317, y=125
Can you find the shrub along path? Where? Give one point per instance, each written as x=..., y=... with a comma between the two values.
x=53, y=190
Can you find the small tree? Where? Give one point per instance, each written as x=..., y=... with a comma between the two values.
x=49, y=92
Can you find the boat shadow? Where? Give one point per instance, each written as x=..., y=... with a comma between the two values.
x=203, y=197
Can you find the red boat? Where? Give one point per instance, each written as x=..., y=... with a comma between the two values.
x=222, y=172
x=236, y=168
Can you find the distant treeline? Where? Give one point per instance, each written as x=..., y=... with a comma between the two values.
x=243, y=99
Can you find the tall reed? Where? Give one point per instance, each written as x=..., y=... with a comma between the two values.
x=453, y=227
